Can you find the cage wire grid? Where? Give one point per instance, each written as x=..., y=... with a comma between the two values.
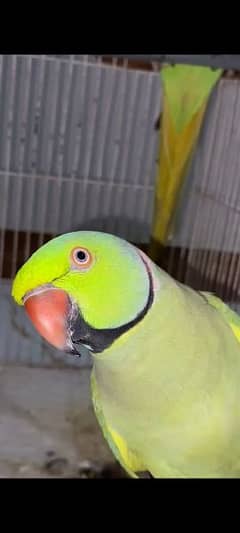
x=78, y=149
x=73, y=130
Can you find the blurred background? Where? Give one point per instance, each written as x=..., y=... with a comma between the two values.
x=145, y=147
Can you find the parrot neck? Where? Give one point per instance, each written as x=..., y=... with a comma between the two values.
x=171, y=380
x=121, y=338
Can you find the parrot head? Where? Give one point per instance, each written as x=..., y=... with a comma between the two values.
x=84, y=288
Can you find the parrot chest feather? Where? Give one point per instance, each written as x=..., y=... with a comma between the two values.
x=129, y=460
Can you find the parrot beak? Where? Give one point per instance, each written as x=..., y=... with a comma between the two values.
x=49, y=309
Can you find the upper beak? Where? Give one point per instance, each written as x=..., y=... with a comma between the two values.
x=49, y=309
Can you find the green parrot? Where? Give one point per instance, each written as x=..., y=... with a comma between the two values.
x=166, y=359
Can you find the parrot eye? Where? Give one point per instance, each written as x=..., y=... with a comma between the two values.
x=81, y=257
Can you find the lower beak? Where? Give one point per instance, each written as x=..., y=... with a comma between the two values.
x=49, y=310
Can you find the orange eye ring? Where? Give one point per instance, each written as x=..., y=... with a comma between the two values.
x=81, y=257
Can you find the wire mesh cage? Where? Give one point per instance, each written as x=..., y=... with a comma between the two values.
x=72, y=133
x=78, y=149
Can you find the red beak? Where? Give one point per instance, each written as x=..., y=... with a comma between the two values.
x=48, y=309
